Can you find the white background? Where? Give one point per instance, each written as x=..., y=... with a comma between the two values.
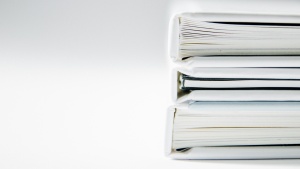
x=85, y=83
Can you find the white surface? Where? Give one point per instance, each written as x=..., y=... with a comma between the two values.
x=239, y=153
x=217, y=72
x=261, y=61
x=56, y=109
x=240, y=83
x=240, y=95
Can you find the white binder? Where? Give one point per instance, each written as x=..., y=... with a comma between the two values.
x=278, y=46
x=243, y=152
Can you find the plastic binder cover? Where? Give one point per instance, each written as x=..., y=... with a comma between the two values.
x=200, y=34
x=181, y=96
x=236, y=152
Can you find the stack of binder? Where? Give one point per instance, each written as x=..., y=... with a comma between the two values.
x=236, y=87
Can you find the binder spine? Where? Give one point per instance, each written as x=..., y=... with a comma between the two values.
x=169, y=130
x=174, y=38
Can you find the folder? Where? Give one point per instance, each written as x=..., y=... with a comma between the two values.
x=212, y=34
x=215, y=151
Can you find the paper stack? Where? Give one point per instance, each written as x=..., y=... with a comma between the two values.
x=236, y=90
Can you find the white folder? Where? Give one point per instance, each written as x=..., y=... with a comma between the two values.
x=283, y=46
x=182, y=96
x=238, y=152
